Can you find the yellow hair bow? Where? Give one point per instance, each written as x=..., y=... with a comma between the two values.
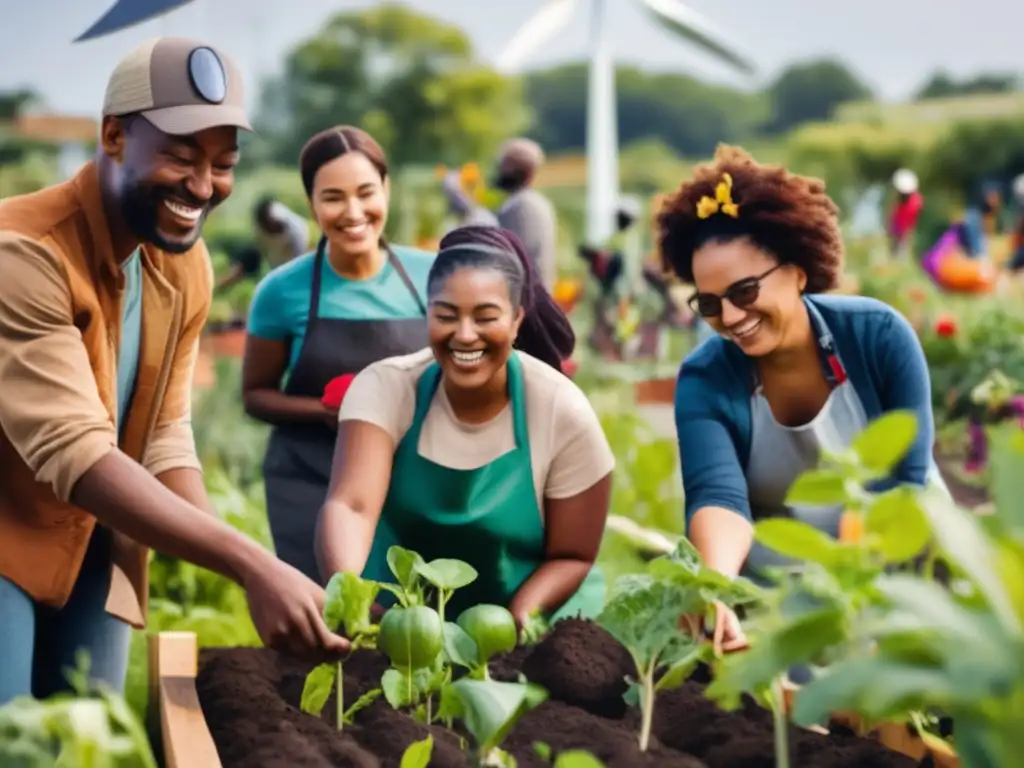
x=722, y=201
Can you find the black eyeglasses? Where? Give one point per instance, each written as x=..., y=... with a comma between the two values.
x=740, y=294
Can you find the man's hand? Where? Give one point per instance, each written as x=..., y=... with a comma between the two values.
x=286, y=608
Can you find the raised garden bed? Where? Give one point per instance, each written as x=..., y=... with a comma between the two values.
x=250, y=704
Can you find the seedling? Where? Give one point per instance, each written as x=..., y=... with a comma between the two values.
x=481, y=633
x=645, y=613
x=346, y=606
x=414, y=575
x=489, y=710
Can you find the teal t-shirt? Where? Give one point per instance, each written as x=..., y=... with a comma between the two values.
x=131, y=335
x=280, y=304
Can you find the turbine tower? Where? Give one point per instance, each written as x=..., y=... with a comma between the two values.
x=602, y=122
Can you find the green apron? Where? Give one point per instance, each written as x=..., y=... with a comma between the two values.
x=487, y=517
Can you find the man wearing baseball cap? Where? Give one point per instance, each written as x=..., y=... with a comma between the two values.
x=106, y=287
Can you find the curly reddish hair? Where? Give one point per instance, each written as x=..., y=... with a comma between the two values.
x=786, y=215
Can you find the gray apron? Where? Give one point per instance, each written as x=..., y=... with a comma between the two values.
x=297, y=467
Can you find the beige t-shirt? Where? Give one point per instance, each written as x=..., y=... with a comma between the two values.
x=569, y=452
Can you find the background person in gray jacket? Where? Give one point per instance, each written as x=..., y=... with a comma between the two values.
x=526, y=212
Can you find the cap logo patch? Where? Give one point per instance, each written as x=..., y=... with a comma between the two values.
x=207, y=74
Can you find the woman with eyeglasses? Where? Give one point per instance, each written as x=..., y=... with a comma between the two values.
x=478, y=448
x=793, y=371
x=325, y=315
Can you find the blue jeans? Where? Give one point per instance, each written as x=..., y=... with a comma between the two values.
x=37, y=642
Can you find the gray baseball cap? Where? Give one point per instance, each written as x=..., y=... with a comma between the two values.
x=182, y=86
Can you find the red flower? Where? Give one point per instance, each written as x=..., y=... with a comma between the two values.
x=335, y=390
x=945, y=326
x=569, y=367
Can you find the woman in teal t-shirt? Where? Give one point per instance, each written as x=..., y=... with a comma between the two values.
x=352, y=302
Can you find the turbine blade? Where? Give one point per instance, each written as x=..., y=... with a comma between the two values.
x=541, y=27
x=686, y=22
x=128, y=13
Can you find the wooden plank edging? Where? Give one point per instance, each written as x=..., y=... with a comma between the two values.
x=173, y=666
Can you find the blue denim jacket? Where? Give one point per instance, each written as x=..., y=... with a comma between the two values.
x=883, y=360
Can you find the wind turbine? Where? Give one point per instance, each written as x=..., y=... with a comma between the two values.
x=602, y=127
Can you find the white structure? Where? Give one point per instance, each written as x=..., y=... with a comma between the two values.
x=602, y=128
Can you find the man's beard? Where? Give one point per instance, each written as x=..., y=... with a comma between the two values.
x=140, y=206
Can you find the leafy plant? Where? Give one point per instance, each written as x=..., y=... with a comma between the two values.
x=884, y=641
x=646, y=613
x=489, y=710
x=91, y=727
x=346, y=606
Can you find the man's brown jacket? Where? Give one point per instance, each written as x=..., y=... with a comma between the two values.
x=60, y=324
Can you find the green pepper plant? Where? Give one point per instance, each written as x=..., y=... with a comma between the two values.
x=647, y=612
x=347, y=607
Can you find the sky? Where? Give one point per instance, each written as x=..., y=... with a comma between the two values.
x=893, y=44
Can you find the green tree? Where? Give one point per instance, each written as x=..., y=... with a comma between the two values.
x=688, y=115
x=411, y=80
x=808, y=91
x=943, y=85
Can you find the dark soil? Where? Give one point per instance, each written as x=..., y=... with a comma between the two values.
x=250, y=698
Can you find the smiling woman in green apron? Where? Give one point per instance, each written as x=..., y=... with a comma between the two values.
x=474, y=450
x=352, y=302
x=791, y=371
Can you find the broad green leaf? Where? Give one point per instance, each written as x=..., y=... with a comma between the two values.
x=418, y=754
x=818, y=488
x=962, y=538
x=872, y=687
x=885, y=441
x=933, y=609
x=898, y=521
x=577, y=758
x=682, y=668
x=397, y=689
x=797, y=540
x=445, y=573
x=348, y=602
x=317, y=688
x=643, y=614
x=491, y=708
x=403, y=563
x=459, y=647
